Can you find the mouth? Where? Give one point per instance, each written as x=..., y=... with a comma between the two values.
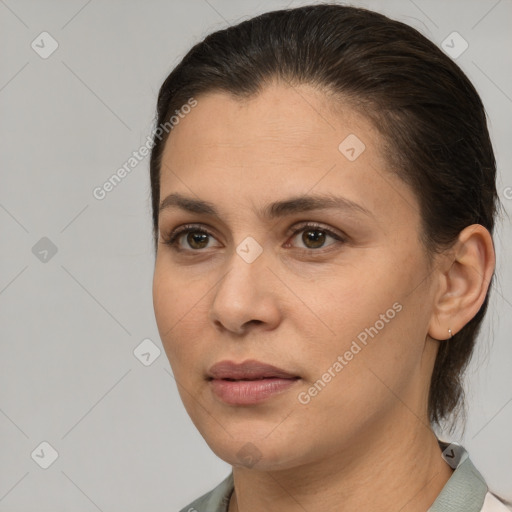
x=248, y=383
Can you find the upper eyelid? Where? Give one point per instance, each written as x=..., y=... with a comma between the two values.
x=297, y=226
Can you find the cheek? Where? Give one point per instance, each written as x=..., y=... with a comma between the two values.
x=178, y=313
x=163, y=301
x=353, y=299
x=370, y=303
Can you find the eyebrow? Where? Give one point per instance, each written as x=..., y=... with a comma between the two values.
x=272, y=210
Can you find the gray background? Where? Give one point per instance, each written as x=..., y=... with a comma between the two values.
x=70, y=323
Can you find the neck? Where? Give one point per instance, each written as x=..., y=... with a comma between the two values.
x=400, y=470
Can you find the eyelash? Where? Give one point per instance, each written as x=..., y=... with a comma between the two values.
x=173, y=238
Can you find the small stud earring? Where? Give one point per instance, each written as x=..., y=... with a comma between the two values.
x=450, y=333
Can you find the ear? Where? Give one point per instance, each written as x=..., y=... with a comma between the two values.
x=463, y=283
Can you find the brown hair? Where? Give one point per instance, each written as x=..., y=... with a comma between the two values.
x=431, y=117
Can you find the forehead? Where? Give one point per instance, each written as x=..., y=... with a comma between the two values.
x=285, y=139
x=280, y=115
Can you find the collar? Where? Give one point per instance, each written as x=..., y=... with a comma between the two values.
x=464, y=492
x=466, y=489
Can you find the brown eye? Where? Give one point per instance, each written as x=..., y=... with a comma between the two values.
x=197, y=239
x=313, y=238
x=189, y=238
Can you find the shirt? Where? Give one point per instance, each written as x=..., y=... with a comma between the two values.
x=465, y=491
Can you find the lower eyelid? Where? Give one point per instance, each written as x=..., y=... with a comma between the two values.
x=336, y=240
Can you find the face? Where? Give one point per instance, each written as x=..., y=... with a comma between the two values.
x=283, y=241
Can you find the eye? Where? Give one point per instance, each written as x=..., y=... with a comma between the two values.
x=196, y=238
x=314, y=236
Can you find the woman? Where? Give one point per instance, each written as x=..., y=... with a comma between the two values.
x=323, y=193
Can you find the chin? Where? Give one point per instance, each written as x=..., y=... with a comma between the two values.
x=255, y=449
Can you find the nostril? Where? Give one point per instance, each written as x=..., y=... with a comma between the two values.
x=255, y=322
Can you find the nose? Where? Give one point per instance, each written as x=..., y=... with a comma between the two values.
x=246, y=297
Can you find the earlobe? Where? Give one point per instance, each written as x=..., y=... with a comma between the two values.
x=464, y=283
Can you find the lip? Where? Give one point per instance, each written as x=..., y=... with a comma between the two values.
x=249, y=382
x=248, y=370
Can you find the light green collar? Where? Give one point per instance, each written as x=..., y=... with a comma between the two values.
x=464, y=492
x=466, y=489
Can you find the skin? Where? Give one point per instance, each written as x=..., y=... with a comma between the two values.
x=364, y=441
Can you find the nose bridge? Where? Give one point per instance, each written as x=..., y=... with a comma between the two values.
x=243, y=294
x=246, y=269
